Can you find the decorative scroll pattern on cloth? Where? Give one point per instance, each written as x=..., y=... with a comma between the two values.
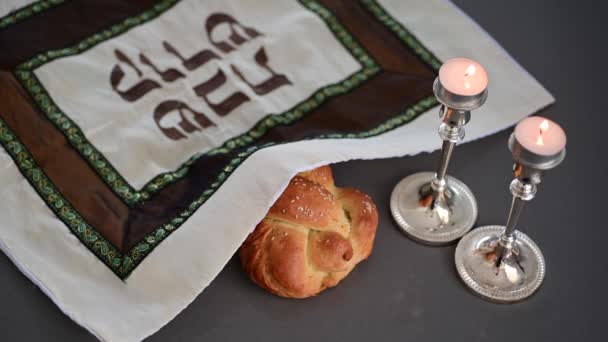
x=122, y=261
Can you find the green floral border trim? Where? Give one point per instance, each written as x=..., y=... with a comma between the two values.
x=96, y=243
x=131, y=196
x=28, y=11
x=123, y=264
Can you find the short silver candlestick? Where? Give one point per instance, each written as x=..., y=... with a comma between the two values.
x=500, y=263
x=433, y=208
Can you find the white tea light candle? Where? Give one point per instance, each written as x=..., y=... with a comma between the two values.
x=540, y=135
x=463, y=76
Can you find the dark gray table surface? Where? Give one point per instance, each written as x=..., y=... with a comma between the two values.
x=410, y=292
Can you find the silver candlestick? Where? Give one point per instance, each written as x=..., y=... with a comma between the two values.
x=434, y=208
x=498, y=262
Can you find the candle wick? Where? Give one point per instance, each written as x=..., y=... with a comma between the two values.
x=540, y=141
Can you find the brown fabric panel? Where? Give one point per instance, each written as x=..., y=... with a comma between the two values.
x=404, y=81
x=62, y=26
x=70, y=173
x=367, y=106
x=388, y=50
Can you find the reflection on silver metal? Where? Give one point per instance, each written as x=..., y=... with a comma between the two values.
x=429, y=219
x=433, y=208
x=500, y=263
x=459, y=102
x=519, y=273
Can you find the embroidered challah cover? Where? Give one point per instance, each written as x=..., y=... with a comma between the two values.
x=143, y=140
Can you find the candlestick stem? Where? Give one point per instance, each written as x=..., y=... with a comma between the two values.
x=446, y=154
x=523, y=190
x=507, y=238
x=517, y=205
x=451, y=132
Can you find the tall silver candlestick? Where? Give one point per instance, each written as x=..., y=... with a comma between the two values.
x=434, y=208
x=498, y=262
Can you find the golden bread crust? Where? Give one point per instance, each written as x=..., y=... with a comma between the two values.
x=311, y=238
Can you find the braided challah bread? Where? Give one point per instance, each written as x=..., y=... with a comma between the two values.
x=311, y=238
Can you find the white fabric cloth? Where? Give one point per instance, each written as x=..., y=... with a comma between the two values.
x=89, y=293
x=8, y=6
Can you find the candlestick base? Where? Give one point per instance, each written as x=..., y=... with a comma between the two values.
x=430, y=217
x=518, y=275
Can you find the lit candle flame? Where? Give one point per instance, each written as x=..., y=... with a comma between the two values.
x=542, y=128
x=540, y=141
x=469, y=72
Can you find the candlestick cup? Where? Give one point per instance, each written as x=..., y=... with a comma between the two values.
x=431, y=207
x=500, y=263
